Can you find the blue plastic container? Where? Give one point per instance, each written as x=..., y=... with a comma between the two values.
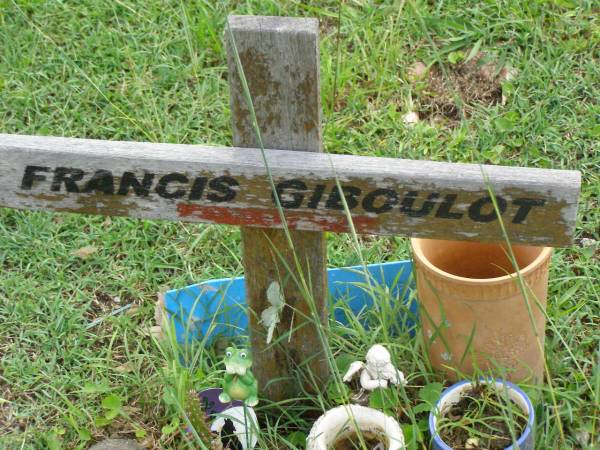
x=217, y=308
x=452, y=395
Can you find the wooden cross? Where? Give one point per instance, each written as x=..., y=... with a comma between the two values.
x=280, y=59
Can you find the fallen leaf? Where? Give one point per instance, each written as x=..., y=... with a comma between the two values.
x=506, y=75
x=124, y=368
x=130, y=409
x=410, y=118
x=84, y=252
x=148, y=442
x=509, y=73
x=417, y=71
x=472, y=443
x=583, y=437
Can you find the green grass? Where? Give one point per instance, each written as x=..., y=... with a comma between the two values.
x=156, y=71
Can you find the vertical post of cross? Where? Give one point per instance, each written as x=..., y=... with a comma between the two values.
x=280, y=60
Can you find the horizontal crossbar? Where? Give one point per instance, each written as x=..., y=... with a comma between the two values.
x=194, y=183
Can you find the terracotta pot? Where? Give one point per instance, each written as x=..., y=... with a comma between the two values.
x=341, y=422
x=473, y=313
x=453, y=395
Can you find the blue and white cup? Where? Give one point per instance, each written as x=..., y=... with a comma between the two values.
x=453, y=395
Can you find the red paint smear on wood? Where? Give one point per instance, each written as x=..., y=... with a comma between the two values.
x=258, y=217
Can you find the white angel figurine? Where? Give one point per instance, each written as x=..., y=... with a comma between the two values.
x=378, y=370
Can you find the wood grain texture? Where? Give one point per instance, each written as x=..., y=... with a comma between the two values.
x=280, y=60
x=387, y=204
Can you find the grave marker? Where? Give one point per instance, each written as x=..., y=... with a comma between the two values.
x=230, y=186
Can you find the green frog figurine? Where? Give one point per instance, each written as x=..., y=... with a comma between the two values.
x=239, y=383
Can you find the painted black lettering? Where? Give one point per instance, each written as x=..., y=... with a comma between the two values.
x=390, y=199
x=198, y=188
x=162, y=188
x=68, y=176
x=287, y=199
x=475, y=210
x=101, y=181
x=315, y=199
x=409, y=201
x=30, y=175
x=525, y=205
x=223, y=185
x=444, y=210
x=335, y=201
x=129, y=180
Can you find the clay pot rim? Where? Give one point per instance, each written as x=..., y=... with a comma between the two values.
x=365, y=418
x=544, y=254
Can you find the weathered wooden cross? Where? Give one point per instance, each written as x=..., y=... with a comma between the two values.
x=280, y=59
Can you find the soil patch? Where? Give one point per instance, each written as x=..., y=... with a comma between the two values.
x=352, y=442
x=481, y=420
x=6, y=412
x=101, y=305
x=10, y=422
x=463, y=85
